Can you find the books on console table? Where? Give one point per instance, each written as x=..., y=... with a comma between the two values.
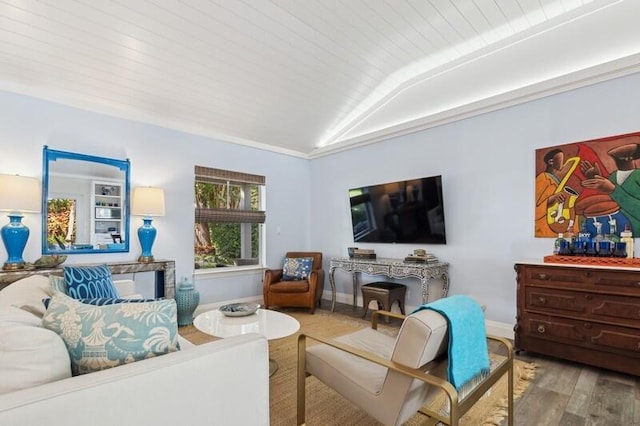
x=364, y=256
x=428, y=258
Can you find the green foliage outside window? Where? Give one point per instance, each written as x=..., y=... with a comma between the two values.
x=219, y=243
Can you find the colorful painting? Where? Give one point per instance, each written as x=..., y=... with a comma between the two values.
x=591, y=186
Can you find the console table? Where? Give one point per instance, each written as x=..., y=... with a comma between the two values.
x=165, y=279
x=392, y=268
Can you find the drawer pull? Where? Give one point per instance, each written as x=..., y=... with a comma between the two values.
x=543, y=277
x=541, y=328
x=588, y=296
x=542, y=300
x=587, y=325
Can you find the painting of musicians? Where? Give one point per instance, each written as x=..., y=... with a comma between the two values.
x=590, y=186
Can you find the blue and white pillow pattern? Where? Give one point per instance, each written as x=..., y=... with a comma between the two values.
x=89, y=282
x=296, y=268
x=57, y=283
x=102, y=337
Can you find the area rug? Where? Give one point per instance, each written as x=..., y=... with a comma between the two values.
x=326, y=407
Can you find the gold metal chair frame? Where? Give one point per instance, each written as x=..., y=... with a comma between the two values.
x=458, y=406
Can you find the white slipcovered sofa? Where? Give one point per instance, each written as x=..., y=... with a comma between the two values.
x=223, y=382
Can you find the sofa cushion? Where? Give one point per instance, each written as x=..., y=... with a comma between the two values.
x=296, y=268
x=29, y=354
x=27, y=292
x=101, y=337
x=87, y=282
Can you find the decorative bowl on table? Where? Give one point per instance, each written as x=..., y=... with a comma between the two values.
x=49, y=261
x=239, y=309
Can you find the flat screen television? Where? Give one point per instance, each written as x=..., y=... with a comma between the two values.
x=410, y=211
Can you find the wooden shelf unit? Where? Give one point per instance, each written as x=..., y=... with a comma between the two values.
x=586, y=314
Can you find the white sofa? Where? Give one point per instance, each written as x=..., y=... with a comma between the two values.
x=223, y=382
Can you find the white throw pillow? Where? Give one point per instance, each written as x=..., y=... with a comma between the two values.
x=30, y=355
x=27, y=292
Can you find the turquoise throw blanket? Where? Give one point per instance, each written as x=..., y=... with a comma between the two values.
x=468, y=351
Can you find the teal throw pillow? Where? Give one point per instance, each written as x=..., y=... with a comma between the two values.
x=102, y=337
x=56, y=283
x=88, y=282
x=296, y=268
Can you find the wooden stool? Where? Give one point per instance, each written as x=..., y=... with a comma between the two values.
x=385, y=294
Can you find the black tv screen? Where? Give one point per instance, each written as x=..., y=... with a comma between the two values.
x=410, y=211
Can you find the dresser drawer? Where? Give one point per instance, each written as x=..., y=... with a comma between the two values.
x=612, y=309
x=611, y=281
x=590, y=335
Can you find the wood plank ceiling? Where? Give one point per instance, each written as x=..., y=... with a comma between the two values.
x=307, y=77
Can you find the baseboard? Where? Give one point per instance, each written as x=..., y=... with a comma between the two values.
x=499, y=329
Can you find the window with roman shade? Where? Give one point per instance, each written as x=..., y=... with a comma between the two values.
x=228, y=217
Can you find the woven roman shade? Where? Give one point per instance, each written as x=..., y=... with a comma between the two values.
x=229, y=216
x=221, y=215
x=207, y=174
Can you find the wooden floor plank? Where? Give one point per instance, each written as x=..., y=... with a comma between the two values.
x=528, y=412
x=569, y=419
x=612, y=403
x=581, y=396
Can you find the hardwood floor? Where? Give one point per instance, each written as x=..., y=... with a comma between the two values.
x=564, y=393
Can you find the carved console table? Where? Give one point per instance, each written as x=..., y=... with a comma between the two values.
x=165, y=279
x=393, y=268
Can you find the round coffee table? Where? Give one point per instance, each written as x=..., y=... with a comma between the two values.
x=271, y=324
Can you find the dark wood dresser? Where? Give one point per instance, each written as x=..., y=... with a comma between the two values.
x=580, y=313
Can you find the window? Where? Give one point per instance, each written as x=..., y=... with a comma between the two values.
x=228, y=218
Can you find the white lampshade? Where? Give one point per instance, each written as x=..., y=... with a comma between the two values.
x=20, y=194
x=147, y=201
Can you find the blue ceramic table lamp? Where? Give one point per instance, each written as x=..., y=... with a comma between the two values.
x=18, y=194
x=147, y=202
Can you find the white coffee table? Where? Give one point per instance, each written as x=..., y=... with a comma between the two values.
x=271, y=324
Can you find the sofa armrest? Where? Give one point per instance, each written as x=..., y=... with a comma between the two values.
x=226, y=380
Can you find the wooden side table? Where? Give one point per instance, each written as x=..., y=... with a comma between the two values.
x=385, y=294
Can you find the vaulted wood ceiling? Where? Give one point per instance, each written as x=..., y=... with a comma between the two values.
x=309, y=77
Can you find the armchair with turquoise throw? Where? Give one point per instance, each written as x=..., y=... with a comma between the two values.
x=422, y=369
x=299, y=283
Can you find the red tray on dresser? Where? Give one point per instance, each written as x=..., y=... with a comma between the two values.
x=595, y=261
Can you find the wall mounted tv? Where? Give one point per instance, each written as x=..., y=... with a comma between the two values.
x=410, y=212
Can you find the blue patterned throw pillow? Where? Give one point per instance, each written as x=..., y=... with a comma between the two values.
x=101, y=337
x=89, y=282
x=296, y=268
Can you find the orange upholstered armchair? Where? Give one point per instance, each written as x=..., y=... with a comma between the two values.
x=295, y=291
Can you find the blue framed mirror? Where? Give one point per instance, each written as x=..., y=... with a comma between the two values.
x=85, y=203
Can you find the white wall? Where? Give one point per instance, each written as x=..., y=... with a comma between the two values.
x=163, y=158
x=487, y=165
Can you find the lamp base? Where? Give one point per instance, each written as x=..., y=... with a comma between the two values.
x=13, y=266
x=145, y=259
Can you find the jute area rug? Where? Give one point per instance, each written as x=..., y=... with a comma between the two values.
x=326, y=407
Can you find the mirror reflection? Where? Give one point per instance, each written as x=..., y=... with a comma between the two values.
x=86, y=203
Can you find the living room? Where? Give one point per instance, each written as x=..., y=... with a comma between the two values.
x=486, y=162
